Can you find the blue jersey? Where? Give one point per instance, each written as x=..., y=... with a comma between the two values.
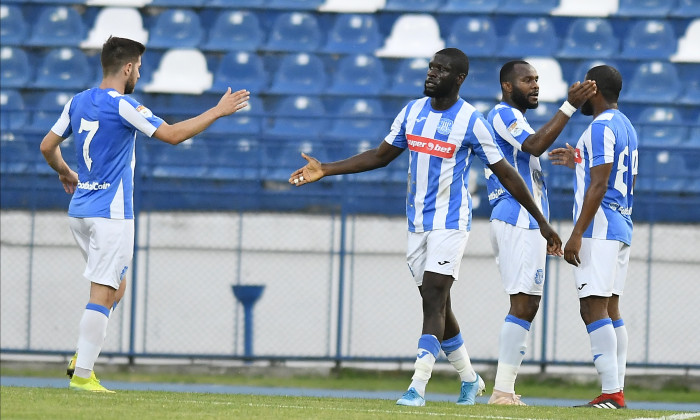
x=104, y=123
x=441, y=147
x=512, y=129
x=610, y=138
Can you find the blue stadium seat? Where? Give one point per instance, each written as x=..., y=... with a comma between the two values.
x=300, y=73
x=281, y=158
x=534, y=7
x=482, y=81
x=13, y=115
x=64, y=68
x=13, y=27
x=476, y=33
x=650, y=40
x=237, y=30
x=16, y=157
x=358, y=75
x=662, y=171
x=176, y=3
x=58, y=26
x=469, y=6
x=295, y=31
x=658, y=9
x=14, y=67
x=694, y=138
x=240, y=70
x=298, y=116
x=409, y=79
x=686, y=9
x=47, y=111
x=590, y=38
x=653, y=82
x=186, y=160
x=232, y=159
x=353, y=34
x=176, y=28
x=309, y=5
x=235, y=4
x=406, y=6
x=582, y=68
x=531, y=36
x=246, y=121
x=661, y=126
x=359, y=119
x=690, y=76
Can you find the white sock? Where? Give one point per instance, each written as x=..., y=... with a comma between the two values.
x=621, y=333
x=93, y=329
x=604, y=351
x=456, y=353
x=428, y=349
x=511, y=352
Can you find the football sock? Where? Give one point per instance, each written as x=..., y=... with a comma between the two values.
x=604, y=350
x=93, y=328
x=456, y=353
x=428, y=349
x=511, y=352
x=621, y=333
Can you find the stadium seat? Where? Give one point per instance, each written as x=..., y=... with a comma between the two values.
x=590, y=38
x=181, y=71
x=358, y=75
x=13, y=27
x=176, y=3
x=14, y=67
x=246, y=121
x=688, y=50
x=282, y=157
x=235, y=4
x=686, y=9
x=47, y=110
x=57, y=26
x=355, y=6
x=694, y=139
x=301, y=74
x=690, y=77
x=176, y=28
x=309, y=5
x=16, y=156
x=649, y=40
x=579, y=73
x=552, y=85
x=116, y=21
x=359, y=119
x=482, y=81
x=653, y=82
x=240, y=70
x=534, y=7
x=414, y=6
x=477, y=34
x=589, y=8
x=298, y=116
x=64, y=68
x=661, y=126
x=237, y=30
x=295, y=31
x=409, y=79
x=413, y=35
x=658, y=9
x=117, y=3
x=662, y=171
x=186, y=160
x=353, y=34
x=531, y=36
x=13, y=115
x=469, y=6
x=237, y=159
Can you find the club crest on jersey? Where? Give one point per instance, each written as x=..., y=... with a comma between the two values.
x=430, y=146
x=144, y=111
x=514, y=129
x=539, y=276
x=444, y=126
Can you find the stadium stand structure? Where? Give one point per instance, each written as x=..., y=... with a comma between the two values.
x=13, y=27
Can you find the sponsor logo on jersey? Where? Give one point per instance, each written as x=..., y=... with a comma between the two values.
x=577, y=155
x=625, y=211
x=93, y=186
x=496, y=193
x=144, y=111
x=515, y=129
x=430, y=146
x=444, y=126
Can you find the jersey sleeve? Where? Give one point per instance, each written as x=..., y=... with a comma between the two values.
x=397, y=136
x=602, y=145
x=511, y=128
x=138, y=116
x=484, y=144
x=62, y=127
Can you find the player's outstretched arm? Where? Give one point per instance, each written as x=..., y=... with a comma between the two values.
x=514, y=183
x=579, y=93
x=52, y=153
x=179, y=132
x=564, y=156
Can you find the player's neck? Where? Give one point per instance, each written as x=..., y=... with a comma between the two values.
x=602, y=109
x=112, y=83
x=443, y=103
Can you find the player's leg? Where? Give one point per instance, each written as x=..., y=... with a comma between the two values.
x=616, y=316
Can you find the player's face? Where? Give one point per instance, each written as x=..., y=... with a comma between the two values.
x=526, y=90
x=441, y=78
x=587, y=107
x=133, y=77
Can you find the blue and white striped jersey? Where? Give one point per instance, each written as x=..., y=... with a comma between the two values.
x=610, y=138
x=441, y=147
x=512, y=129
x=104, y=123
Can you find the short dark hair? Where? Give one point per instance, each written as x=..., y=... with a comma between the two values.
x=116, y=52
x=506, y=74
x=608, y=81
x=458, y=58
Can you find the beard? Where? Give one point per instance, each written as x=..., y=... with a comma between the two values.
x=587, y=108
x=129, y=87
x=522, y=100
x=438, y=90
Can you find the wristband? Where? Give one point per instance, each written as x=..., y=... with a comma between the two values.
x=567, y=109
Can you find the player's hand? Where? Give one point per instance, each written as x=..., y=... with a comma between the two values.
x=564, y=156
x=553, y=240
x=579, y=93
x=69, y=181
x=310, y=173
x=232, y=102
x=571, y=250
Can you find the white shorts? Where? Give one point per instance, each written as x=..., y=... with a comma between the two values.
x=521, y=255
x=603, y=267
x=107, y=246
x=437, y=251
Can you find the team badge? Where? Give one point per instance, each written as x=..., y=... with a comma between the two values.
x=444, y=126
x=515, y=129
x=144, y=111
x=539, y=276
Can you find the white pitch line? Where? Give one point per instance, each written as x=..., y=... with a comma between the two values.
x=681, y=416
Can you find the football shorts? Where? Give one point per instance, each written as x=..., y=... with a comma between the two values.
x=521, y=255
x=437, y=251
x=603, y=267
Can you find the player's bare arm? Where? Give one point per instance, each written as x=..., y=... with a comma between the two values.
x=179, y=132
x=564, y=156
x=591, y=203
x=52, y=153
x=537, y=143
x=375, y=158
x=514, y=183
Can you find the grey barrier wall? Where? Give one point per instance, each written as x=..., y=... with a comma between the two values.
x=322, y=298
